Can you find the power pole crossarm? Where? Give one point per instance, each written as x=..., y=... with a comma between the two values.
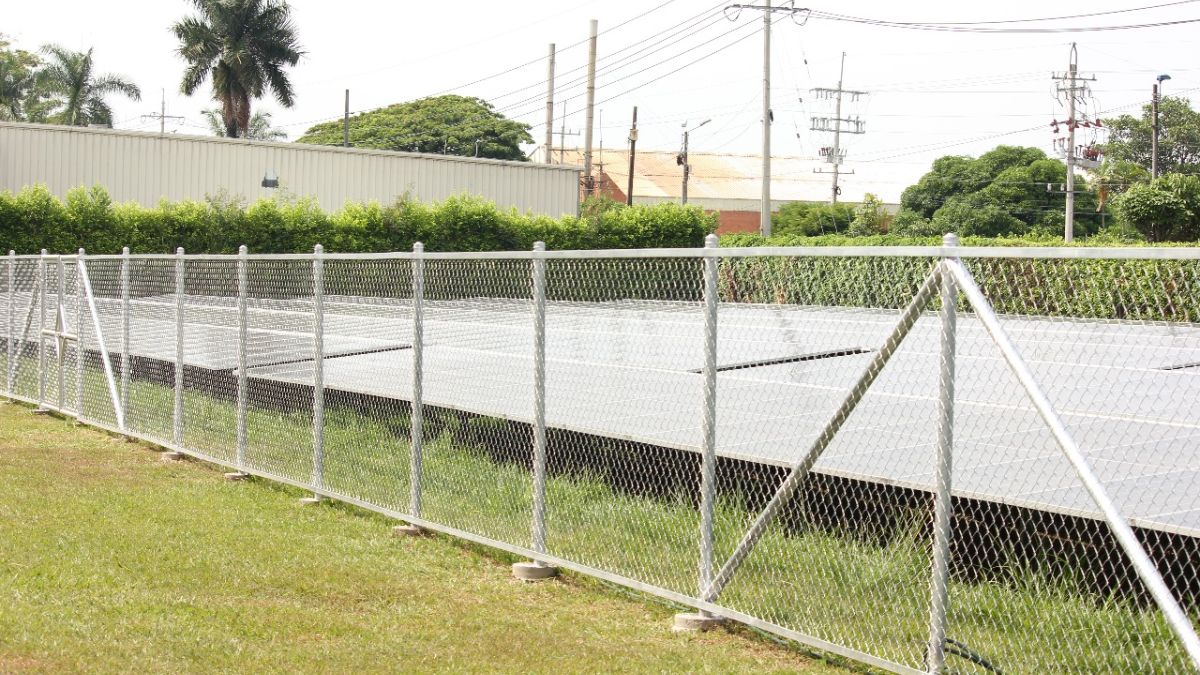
x=162, y=115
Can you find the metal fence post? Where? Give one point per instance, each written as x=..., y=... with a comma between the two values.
x=942, y=504
x=60, y=324
x=9, y=361
x=125, y=319
x=417, y=414
x=79, y=351
x=537, y=570
x=41, y=337
x=318, y=428
x=708, y=462
x=177, y=414
x=242, y=364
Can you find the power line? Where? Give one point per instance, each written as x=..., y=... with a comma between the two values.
x=1050, y=18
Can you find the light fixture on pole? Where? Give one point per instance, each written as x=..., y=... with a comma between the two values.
x=682, y=158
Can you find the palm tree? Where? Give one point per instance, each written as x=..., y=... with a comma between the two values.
x=243, y=46
x=260, y=128
x=69, y=76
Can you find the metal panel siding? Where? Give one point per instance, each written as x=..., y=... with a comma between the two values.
x=147, y=167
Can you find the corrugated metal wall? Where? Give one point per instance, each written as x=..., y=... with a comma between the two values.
x=147, y=167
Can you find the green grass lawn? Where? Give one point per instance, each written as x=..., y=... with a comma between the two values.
x=114, y=561
x=871, y=596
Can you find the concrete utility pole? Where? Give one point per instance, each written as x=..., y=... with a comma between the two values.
x=1154, y=131
x=835, y=155
x=346, y=122
x=632, y=152
x=1075, y=88
x=764, y=217
x=588, y=180
x=768, y=11
x=682, y=159
x=162, y=115
x=550, y=107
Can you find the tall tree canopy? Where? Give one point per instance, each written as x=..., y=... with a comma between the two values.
x=19, y=94
x=453, y=125
x=79, y=91
x=1003, y=191
x=1129, y=137
x=244, y=47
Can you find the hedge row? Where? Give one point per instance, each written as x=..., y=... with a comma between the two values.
x=1146, y=290
x=34, y=219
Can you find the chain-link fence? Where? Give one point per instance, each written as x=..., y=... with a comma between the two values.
x=934, y=459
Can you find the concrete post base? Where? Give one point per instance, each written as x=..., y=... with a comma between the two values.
x=236, y=476
x=171, y=456
x=409, y=531
x=533, y=571
x=311, y=501
x=696, y=622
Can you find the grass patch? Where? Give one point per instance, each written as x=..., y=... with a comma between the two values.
x=869, y=595
x=114, y=561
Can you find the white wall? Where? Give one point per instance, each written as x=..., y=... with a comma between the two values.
x=146, y=168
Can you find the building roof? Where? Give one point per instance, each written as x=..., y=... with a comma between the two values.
x=719, y=177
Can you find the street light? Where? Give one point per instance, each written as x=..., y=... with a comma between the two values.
x=682, y=158
x=1154, y=124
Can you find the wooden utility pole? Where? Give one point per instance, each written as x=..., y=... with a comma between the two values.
x=588, y=180
x=632, y=152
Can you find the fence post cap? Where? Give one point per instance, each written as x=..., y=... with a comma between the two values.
x=242, y=250
x=179, y=251
x=950, y=239
x=43, y=251
x=418, y=247
x=124, y=250
x=539, y=246
x=712, y=241
x=318, y=249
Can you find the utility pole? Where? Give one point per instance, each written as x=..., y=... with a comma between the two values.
x=682, y=159
x=834, y=154
x=562, y=136
x=550, y=107
x=1154, y=131
x=764, y=217
x=768, y=11
x=346, y=123
x=588, y=181
x=162, y=115
x=1075, y=88
x=632, y=152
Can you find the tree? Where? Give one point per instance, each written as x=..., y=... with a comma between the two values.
x=19, y=95
x=450, y=125
x=243, y=46
x=1129, y=138
x=1007, y=190
x=1166, y=209
x=79, y=92
x=870, y=217
x=1115, y=176
x=260, y=128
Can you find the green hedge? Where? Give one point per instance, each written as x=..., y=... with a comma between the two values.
x=34, y=219
x=1148, y=290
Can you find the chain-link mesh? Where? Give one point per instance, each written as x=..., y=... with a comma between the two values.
x=774, y=436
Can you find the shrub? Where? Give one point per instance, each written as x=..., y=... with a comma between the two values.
x=35, y=219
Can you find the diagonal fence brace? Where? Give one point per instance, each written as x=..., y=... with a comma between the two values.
x=800, y=470
x=1146, y=570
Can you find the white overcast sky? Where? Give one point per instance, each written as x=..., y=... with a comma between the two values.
x=931, y=93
